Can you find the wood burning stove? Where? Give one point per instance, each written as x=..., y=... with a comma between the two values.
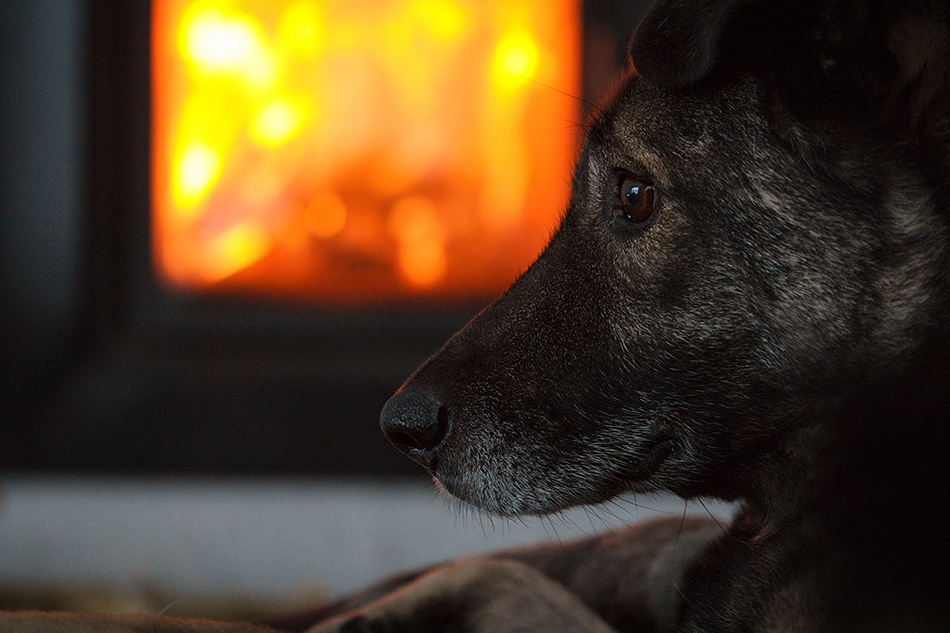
x=283, y=217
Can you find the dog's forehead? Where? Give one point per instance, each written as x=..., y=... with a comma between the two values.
x=650, y=129
x=638, y=123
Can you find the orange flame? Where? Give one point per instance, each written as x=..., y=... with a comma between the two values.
x=354, y=151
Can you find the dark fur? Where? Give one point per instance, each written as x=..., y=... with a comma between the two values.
x=776, y=334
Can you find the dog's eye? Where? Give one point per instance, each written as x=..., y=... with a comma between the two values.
x=635, y=201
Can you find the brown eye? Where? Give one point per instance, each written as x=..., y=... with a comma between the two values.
x=635, y=201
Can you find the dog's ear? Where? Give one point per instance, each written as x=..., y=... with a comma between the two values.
x=678, y=42
x=888, y=59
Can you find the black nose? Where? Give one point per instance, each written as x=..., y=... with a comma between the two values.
x=416, y=424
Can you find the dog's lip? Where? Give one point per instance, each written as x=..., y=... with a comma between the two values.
x=427, y=459
x=645, y=466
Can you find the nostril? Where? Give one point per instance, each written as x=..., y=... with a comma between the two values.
x=423, y=435
x=416, y=424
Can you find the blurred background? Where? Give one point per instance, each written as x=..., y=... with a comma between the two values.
x=228, y=230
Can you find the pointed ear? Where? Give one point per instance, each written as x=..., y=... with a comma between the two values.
x=879, y=60
x=678, y=42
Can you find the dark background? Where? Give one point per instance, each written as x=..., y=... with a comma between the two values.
x=103, y=371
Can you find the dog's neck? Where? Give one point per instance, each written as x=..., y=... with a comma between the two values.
x=883, y=446
x=864, y=491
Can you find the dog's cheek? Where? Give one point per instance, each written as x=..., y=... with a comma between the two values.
x=689, y=343
x=536, y=456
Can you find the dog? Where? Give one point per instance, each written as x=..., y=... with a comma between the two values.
x=748, y=298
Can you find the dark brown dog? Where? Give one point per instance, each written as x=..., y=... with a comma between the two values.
x=748, y=299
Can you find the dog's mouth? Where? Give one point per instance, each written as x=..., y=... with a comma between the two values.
x=641, y=468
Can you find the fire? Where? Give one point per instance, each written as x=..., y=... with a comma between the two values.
x=353, y=151
x=515, y=60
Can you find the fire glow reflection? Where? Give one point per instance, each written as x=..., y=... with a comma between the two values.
x=354, y=151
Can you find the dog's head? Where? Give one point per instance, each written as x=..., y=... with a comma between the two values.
x=757, y=225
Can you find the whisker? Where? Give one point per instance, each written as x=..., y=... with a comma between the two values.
x=587, y=513
x=682, y=522
x=711, y=516
x=174, y=603
x=590, y=104
x=614, y=515
x=641, y=506
x=554, y=529
x=569, y=522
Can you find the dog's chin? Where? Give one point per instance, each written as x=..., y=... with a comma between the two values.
x=457, y=490
x=500, y=500
x=504, y=495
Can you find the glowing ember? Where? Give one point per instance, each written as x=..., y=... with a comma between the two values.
x=353, y=151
